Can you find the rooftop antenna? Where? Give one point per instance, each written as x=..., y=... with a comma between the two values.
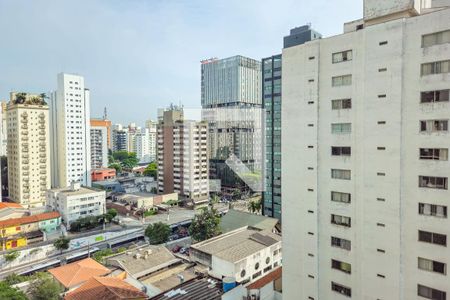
x=105, y=114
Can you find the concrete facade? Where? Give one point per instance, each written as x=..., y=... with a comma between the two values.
x=355, y=183
x=28, y=150
x=99, y=147
x=70, y=132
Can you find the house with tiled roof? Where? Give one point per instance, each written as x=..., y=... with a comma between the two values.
x=111, y=288
x=19, y=232
x=73, y=275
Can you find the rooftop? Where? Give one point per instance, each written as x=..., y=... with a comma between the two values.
x=194, y=289
x=235, y=219
x=30, y=219
x=105, y=288
x=75, y=273
x=68, y=191
x=236, y=245
x=10, y=205
x=143, y=260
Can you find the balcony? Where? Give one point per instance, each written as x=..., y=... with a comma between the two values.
x=24, y=127
x=42, y=149
x=42, y=132
x=43, y=177
x=25, y=161
x=41, y=121
x=25, y=168
x=43, y=160
x=25, y=132
x=43, y=172
x=41, y=127
x=25, y=174
x=42, y=155
x=43, y=166
x=42, y=138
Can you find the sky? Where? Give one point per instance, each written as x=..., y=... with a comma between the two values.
x=141, y=55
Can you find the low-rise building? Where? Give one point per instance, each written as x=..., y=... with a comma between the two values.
x=103, y=174
x=73, y=275
x=110, y=288
x=76, y=202
x=19, y=232
x=235, y=219
x=11, y=210
x=244, y=254
x=141, y=200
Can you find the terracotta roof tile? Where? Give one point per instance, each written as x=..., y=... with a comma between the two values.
x=272, y=276
x=75, y=273
x=102, y=288
x=30, y=219
x=10, y=205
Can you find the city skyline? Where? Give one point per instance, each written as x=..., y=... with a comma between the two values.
x=133, y=54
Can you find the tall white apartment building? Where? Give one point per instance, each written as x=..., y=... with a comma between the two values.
x=151, y=125
x=70, y=132
x=3, y=130
x=76, y=202
x=141, y=145
x=183, y=156
x=28, y=149
x=99, y=147
x=365, y=157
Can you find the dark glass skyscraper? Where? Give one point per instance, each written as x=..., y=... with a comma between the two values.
x=271, y=93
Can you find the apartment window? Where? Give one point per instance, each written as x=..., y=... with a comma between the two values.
x=341, y=220
x=437, y=38
x=430, y=293
x=341, y=151
x=341, y=104
x=434, y=153
x=342, y=56
x=431, y=265
x=437, y=67
x=433, y=182
x=341, y=80
x=432, y=238
x=346, y=291
x=340, y=197
x=383, y=43
x=341, y=174
x=433, y=125
x=439, y=211
x=341, y=128
x=341, y=266
x=434, y=96
x=341, y=243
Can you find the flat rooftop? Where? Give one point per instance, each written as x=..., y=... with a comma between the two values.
x=143, y=260
x=238, y=244
x=194, y=289
x=81, y=191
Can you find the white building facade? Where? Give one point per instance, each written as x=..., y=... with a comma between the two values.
x=141, y=145
x=365, y=158
x=70, y=128
x=151, y=125
x=28, y=149
x=99, y=147
x=76, y=202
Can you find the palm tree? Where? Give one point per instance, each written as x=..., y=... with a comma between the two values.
x=254, y=206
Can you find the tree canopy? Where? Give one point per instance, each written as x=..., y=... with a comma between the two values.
x=205, y=225
x=61, y=243
x=123, y=159
x=158, y=233
x=151, y=170
x=10, y=293
x=45, y=288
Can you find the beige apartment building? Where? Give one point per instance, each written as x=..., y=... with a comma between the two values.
x=28, y=149
x=365, y=164
x=182, y=156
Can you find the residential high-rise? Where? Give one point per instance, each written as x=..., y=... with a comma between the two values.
x=119, y=138
x=3, y=130
x=183, y=156
x=227, y=86
x=28, y=149
x=99, y=147
x=365, y=145
x=141, y=145
x=70, y=132
x=151, y=125
x=106, y=124
x=271, y=93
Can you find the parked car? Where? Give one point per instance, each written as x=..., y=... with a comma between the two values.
x=184, y=251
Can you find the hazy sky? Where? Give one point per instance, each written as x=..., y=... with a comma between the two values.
x=137, y=56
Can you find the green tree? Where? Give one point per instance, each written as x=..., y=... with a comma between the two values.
x=116, y=166
x=205, y=225
x=11, y=256
x=131, y=161
x=10, y=293
x=45, y=288
x=254, y=206
x=151, y=170
x=14, y=279
x=214, y=200
x=112, y=212
x=158, y=233
x=61, y=243
x=100, y=255
x=120, y=155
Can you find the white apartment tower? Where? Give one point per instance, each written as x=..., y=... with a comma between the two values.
x=151, y=125
x=99, y=147
x=70, y=132
x=183, y=156
x=365, y=158
x=28, y=149
x=141, y=145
